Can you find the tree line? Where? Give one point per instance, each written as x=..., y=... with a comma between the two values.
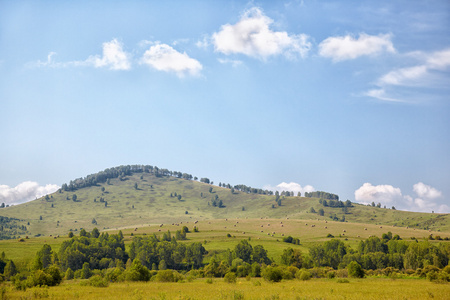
x=102, y=258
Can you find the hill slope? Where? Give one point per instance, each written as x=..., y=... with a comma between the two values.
x=144, y=198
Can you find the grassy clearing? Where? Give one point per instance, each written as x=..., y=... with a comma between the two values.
x=255, y=288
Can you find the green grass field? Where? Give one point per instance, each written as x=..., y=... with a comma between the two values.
x=255, y=288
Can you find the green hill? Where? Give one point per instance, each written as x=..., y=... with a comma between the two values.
x=143, y=197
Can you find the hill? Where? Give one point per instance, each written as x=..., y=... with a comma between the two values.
x=141, y=196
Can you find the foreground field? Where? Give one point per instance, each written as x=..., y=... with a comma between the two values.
x=255, y=288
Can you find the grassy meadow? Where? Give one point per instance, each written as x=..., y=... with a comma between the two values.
x=254, y=288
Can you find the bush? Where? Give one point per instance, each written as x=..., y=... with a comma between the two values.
x=274, y=274
x=69, y=274
x=303, y=274
x=98, y=281
x=355, y=270
x=446, y=269
x=115, y=274
x=230, y=277
x=137, y=272
x=168, y=276
x=39, y=278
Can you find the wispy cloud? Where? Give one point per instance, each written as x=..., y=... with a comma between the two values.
x=163, y=57
x=25, y=191
x=430, y=72
x=235, y=63
x=113, y=58
x=347, y=47
x=253, y=37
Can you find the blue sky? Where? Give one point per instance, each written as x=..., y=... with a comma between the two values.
x=349, y=97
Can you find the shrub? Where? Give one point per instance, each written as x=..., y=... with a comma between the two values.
x=168, y=276
x=115, y=274
x=303, y=274
x=54, y=272
x=432, y=275
x=230, y=277
x=98, y=281
x=331, y=274
x=39, y=277
x=342, y=280
x=256, y=270
x=342, y=273
x=355, y=270
x=274, y=274
x=137, y=272
x=69, y=274
x=446, y=269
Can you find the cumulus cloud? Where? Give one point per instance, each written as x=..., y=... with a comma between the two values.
x=387, y=194
x=114, y=57
x=425, y=191
x=253, y=37
x=25, y=191
x=369, y=193
x=290, y=187
x=163, y=57
x=347, y=47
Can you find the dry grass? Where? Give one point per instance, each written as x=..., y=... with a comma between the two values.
x=256, y=288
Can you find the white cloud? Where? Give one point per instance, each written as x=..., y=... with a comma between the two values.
x=387, y=194
x=425, y=191
x=290, y=187
x=253, y=37
x=369, y=193
x=404, y=75
x=439, y=60
x=24, y=192
x=347, y=47
x=113, y=57
x=163, y=57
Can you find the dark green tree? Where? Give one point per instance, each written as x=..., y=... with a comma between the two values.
x=244, y=251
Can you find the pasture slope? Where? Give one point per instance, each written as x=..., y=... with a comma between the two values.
x=120, y=204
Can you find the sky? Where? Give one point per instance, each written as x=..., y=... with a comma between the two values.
x=348, y=97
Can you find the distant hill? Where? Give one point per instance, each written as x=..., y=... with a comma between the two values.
x=131, y=196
